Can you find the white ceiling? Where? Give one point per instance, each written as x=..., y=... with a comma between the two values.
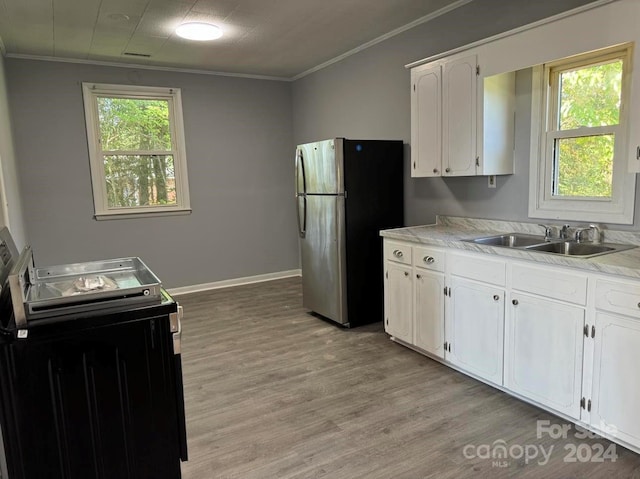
x=276, y=38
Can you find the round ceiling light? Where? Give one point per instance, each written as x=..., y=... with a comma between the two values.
x=199, y=31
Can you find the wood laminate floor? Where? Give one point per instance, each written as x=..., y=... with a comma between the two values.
x=273, y=392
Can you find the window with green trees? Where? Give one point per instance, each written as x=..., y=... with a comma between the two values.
x=579, y=168
x=585, y=119
x=137, y=149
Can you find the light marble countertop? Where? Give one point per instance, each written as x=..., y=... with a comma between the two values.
x=449, y=232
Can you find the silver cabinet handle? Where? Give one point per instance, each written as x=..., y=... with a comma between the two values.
x=496, y=297
x=406, y=273
x=397, y=253
x=429, y=259
x=514, y=302
x=448, y=170
x=435, y=170
x=418, y=276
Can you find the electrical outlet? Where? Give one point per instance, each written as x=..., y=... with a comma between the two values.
x=492, y=181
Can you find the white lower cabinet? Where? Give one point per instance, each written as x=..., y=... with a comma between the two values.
x=398, y=301
x=414, y=295
x=429, y=311
x=474, y=328
x=566, y=339
x=543, y=351
x=616, y=383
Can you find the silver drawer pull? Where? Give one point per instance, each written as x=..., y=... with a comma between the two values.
x=397, y=253
x=406, y=273
x=429, y=259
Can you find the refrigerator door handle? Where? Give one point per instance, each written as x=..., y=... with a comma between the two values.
x=300, y=169
x=302, y=224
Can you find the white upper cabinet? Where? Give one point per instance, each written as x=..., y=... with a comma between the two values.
x=568, y=34
x=459, y=88
x=457, y=128
x=426, y=121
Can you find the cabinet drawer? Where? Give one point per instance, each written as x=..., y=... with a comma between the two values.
x=428, y=258
x=550, y=282
x=478, y=267
x=618, y=297
x=398, y=252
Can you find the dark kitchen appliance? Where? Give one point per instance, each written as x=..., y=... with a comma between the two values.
x=346, y=192
x=90, y=371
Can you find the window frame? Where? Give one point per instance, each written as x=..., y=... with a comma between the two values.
x=619, y=208
x=91, y=93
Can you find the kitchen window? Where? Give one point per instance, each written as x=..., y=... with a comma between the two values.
x=579, y=136
x=136, y=149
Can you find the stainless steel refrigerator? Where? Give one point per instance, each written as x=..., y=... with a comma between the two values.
x=346, y=192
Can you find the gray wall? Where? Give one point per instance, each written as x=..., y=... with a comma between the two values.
x=8, y=163
x=239, y=152
x=367, y=96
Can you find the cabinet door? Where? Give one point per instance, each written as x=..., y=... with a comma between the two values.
x=616, y=383
x=426, y=122
x=544, y=344
x=429, y=312
x=398, y=305
x=459, y=117
x=474, y=328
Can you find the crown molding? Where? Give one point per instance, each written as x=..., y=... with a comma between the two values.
x=386, y=36
x=144, y=67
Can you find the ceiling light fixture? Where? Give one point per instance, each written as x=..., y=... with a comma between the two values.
x=201, y=32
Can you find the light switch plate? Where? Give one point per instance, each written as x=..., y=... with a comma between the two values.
x=491, y=181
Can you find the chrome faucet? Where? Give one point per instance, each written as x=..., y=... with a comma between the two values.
x=564, y=232
x=596, y=236
x=548, y=232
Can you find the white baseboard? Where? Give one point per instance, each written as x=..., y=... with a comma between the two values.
x=227, y=283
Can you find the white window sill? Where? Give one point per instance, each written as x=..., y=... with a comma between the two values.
x=125, y=215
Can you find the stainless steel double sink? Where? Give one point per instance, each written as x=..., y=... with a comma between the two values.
x=555, y=246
